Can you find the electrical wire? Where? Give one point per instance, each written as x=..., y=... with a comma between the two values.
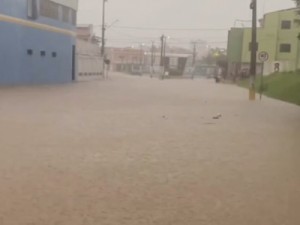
x=167, y=29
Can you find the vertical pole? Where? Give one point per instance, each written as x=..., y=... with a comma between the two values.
x=141, y=59
x=253, y=51
x=152, y=59
x=164, y=56
x=162, y=39
x=262, y=82
x=194, y=52
x=103, y=39
x=103, y=28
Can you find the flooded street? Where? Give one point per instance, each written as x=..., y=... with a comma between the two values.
x=141, y=151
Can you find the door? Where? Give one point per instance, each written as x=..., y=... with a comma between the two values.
x=73, y=63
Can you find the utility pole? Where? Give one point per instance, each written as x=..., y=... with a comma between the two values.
x=164, y=55
x=103, y=37
x=194, y=52
x=194, y=45
x=141, y=58
x=254, y=48
x=152, y=59
x=162, y=59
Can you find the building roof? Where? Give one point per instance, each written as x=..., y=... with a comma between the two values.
x=283, y=10
x=175, y=55
x=86, y=32
x=266, y=14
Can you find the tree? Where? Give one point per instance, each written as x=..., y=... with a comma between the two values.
x=217, y=56
x=297, y=2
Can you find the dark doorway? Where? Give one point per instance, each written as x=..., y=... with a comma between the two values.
x=73, y=63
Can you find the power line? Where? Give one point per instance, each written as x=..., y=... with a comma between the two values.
x=169, y=29
x=178, y=42
x=172, y=29
x=154, y=38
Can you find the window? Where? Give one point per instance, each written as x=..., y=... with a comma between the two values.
x=285, y=48
x=32, y=10
x=44, y=5
x=74, y=16
x=49, y=9
x=286, y=24
x=58, y=12
x=29, y=52
x=43, y=53
x=65, y=14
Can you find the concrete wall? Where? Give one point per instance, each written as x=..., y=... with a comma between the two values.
x=20, y=36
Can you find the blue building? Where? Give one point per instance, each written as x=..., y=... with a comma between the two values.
x=37, y=41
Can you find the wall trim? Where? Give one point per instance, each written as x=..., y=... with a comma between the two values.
x=35, y=25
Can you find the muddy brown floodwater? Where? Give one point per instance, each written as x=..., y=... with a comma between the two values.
x=141, y=151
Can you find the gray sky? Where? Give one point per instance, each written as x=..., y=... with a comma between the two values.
x=175, y=14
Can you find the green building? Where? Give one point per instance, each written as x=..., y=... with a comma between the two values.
x=277, y=35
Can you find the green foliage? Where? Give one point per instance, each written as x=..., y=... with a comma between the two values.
x=216, y=56
x=297, y=2
x=283, y=86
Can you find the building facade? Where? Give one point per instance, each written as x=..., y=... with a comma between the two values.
x=129, y=60
x=148, y=60
x=37, y=41
x=277, y=35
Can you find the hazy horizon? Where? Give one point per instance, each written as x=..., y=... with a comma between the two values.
x=179, y=14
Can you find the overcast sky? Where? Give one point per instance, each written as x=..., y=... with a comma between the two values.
x=174, y=14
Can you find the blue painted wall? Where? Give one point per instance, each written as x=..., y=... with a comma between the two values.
x=16, y=66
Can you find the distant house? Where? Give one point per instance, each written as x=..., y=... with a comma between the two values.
x=129, y=60
x=278, y=36
x=175, y=61
x=86, y=33
x=139, y=60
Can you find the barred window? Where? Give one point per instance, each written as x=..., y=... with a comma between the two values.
x=58, y=12
x=286, y=24
x=285, y=48
x=73, y=16
x=49, y=9
x=65, y=14
x=32, y=9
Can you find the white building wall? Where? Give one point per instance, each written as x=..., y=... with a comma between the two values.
x=89, y=60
